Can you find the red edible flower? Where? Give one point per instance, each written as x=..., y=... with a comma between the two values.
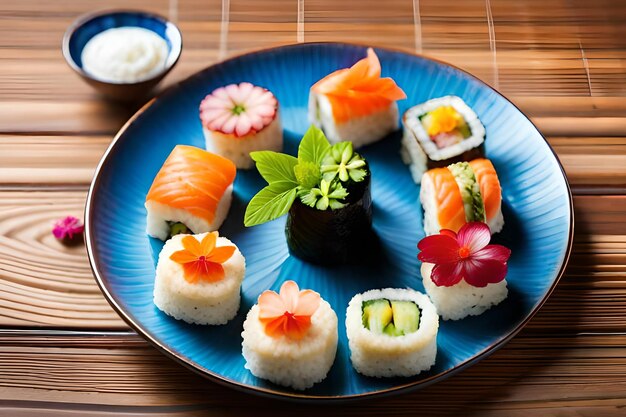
x=68, y=228
x=467, y=255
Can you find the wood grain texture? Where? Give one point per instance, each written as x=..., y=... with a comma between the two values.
x=532, y=376
x=563, y=62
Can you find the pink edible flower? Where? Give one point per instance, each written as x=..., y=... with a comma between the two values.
x=68, y=228
x=466, y=255
x=238, y=109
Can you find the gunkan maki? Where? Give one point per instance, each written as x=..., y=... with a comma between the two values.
x=326, y=193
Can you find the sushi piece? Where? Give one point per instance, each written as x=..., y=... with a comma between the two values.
x=326, y=194
x=356, y=104
x=462, y=192
x=290, y=338
x=241, y=118
x=198, y=278
x=191, y=193
x=440, y=132
x=392, y=332
x=462, y=274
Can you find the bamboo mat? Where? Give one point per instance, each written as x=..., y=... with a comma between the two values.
x=63, y=351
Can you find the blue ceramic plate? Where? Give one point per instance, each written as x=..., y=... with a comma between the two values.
x=537, y=208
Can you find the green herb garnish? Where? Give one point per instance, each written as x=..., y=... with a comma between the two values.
x=327, y=195
x=341, y=161
x=315, y=176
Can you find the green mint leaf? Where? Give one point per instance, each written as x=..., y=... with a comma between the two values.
x=313, y=146
x=307, y=174
x=275, y=167
x=270, y=203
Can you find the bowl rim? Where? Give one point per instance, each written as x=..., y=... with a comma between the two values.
x=303, y=397
x=172, y=57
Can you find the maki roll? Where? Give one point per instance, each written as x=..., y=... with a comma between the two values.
x=440, y=132
x=239, y=119
x=325, y=191
x=462, y=274
x=191, y=193
x=392, y=332
x=290, y=338
x=462, y=192
x=198, y=278
x=355, y=103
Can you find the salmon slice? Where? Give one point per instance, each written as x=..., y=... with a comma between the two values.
x=193, y=180
x=489, y=184
x=451, y=212
x=358, y=90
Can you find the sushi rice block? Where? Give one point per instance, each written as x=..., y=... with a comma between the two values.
x=198, y=278
x=191, y=192
x=290, y=338
x=440, y=132
x=392, y=332
x=462, y=192
x=462, y=274
x=355, y=104
x=239, y=119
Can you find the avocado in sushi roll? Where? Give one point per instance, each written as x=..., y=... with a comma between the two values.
x=392, y=332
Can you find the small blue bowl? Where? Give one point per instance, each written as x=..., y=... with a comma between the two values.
x=89, y=25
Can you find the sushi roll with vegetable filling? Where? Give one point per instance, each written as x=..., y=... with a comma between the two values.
x=392, y=332
x=239, y=119
x=198, y=278
x=462, y=274
x=462, y=192
x=440, y=132
x=355, y=104
x=191, y=193
x=290, y=338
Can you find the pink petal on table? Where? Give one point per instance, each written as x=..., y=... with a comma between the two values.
x=222, y=94
x=263, y=98
x=496, y=252
x=438, y=249
x=474, y=235
x=480, y=273
x=447, y=275
x=252, y=98
x=208, y=115
x=243, y=125
x=215, y=102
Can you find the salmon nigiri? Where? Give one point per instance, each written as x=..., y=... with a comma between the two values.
x=356, y=103
x=460, y=193
x=191, y=193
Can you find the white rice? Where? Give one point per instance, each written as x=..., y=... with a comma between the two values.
x=201, y=302
x=359, y=130
x=431, y=211
x=418, y=148
x=293, y=363
x=238, y=149
x=381, y=355
x=462, y=300
x=159, y=214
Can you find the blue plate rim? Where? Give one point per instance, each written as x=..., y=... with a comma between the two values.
x=296, y=396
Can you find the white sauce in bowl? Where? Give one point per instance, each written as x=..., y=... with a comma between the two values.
x=125, y=55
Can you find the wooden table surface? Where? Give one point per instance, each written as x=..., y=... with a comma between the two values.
x=63, y=351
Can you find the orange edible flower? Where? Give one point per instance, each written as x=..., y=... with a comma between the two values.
x=203, y=260
x=288, y=313
x=359, y=90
